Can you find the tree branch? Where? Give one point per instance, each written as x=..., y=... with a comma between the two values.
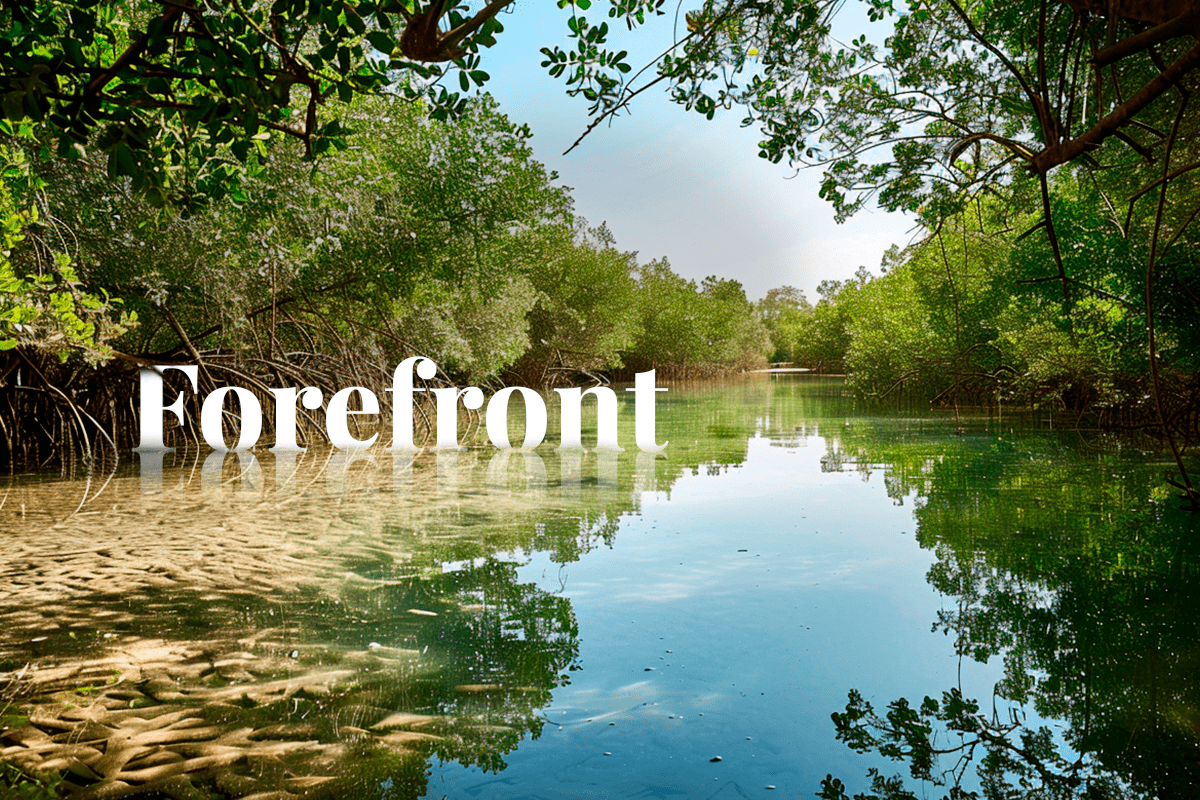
x=1120, y=116
x=1182, y=25
x=474, y=23
x=170, y=15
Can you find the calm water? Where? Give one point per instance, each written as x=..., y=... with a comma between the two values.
x=583, y=625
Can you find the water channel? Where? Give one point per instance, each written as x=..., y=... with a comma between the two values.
x=571, y=624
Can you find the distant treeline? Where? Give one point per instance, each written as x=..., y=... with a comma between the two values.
x=447, y=240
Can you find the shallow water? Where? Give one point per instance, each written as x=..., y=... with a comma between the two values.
x=580, y=625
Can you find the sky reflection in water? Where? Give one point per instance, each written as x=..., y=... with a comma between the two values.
x=757, y=596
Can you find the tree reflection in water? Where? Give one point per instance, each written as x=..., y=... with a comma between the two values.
x=1088, y=591
x=500, y=647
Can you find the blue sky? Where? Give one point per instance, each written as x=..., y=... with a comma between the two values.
x=670, y=183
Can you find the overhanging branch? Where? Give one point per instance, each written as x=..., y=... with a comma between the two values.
x=1120, y=116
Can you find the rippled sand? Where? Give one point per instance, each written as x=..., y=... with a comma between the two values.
x=158, y=629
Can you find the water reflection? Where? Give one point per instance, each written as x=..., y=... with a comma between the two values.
x=315, y=623
x=561, y=622
x=1077, y=572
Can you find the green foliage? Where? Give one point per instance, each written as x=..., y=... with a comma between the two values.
x=408, y=240
x=180, y=98
x=821, y=339
x=23, y=786
x=967, y=314
x=444, y=239
x=696, y=329
x=934, y=102
x=47, y=307
x=929, y=324
x=783, y=311
x=585, y=316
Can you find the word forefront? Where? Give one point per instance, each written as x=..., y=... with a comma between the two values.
x=338, y=412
